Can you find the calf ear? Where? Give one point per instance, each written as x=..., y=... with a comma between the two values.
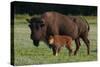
x=51, y=36
x=28, y=20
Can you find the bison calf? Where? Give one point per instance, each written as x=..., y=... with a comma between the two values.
x=58, y=41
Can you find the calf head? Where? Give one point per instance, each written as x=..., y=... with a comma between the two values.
x=51, y=40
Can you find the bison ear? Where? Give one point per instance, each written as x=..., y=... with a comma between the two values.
x=28, y=20
x=42, y=25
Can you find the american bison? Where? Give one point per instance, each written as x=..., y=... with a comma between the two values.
x=54, y=23
x=58, y=41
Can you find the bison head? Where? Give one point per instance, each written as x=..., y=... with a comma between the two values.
x=37, y=27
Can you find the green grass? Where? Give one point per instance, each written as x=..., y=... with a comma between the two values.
x=26, y=53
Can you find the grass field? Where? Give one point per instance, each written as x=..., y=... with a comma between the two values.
x=26, y=53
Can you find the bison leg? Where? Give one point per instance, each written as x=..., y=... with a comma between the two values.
x=77, y=41
x=86, y=41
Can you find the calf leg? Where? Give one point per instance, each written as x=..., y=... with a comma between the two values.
x=68, y=45
x=59, y=49
x=55, y=51
x=77, y=41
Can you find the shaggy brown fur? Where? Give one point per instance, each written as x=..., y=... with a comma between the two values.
x=58, y=41
x=54, y=23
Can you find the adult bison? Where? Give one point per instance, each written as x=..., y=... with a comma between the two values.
x=54, y=23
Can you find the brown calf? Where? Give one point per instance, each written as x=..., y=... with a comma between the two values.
x=58, y=41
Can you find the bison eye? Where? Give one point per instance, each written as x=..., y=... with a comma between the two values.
x=30, y=26
x=42, y=25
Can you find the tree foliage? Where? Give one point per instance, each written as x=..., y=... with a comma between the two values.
x=39, y=8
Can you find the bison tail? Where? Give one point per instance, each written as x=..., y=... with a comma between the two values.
x=86, y=22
